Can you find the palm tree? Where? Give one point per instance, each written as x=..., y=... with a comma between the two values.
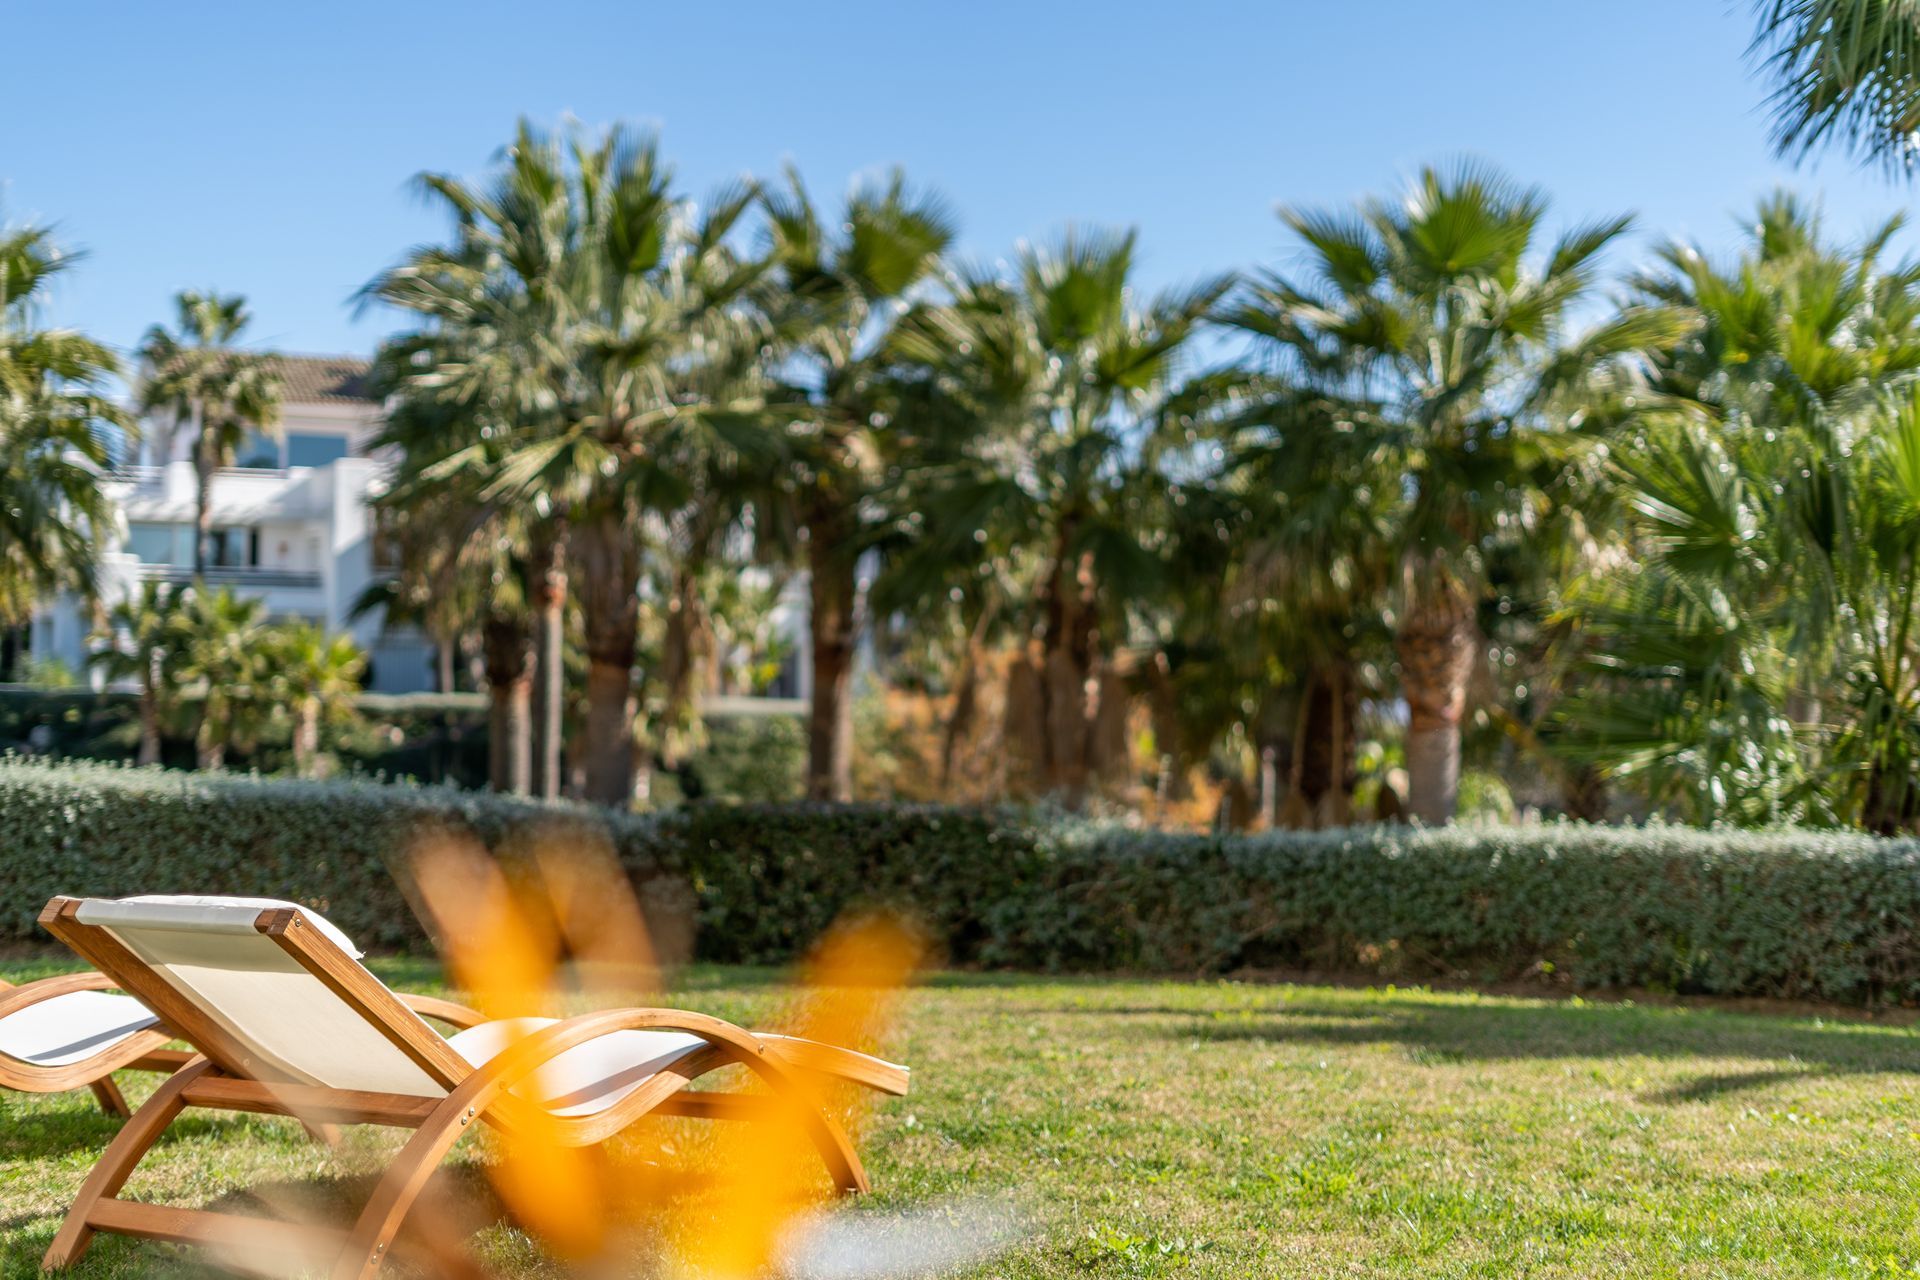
x=220, y=646
x=1039, y=394
x=196, y=376
x=609, y=319
x=142, y=643
x=315, y=677
x=499, y=310
x=462, y=557
x=840, y=287
x=53, y=406
x=1845, y=71
x=1303, y=528
x=1751, y=652
x=1434, y=319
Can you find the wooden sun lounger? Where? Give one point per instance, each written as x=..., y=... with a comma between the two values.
x=288, y=1022
x=63, y=1032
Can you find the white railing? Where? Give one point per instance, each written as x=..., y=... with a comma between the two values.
x=232, y=576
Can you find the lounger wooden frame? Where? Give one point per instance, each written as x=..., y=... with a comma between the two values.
x=223, y=1078
x=141, y=1051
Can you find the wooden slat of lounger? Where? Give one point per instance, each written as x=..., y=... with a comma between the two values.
x=313, y=1103
x=165, y=1060
x=240, y=1241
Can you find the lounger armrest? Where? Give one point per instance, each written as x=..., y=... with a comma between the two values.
x=14, y=999
x=457, y=1016
x=831, y=1060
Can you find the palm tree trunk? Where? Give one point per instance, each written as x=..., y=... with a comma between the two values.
x=203, y=468
x=834, y=585
x=966, y=691
x=306, y=737
x=507, y=655
x=1340, y=793
x=1069, y=681
x=681, y=653
x=1068, y=641
x=443, y=664
x=1436, y=646
x=209, y=741
x=150, y=710
x=547, y=567
x=609, y=561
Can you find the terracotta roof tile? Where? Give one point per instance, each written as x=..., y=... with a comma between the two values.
x=323, y=379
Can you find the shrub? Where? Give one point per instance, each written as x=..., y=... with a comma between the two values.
x=1798, y=914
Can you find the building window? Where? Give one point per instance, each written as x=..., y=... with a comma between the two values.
x=160, y=543
x=233, y=548
x=258, y=450
x=306, y=449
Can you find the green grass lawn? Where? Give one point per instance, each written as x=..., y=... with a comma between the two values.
x=1225, y=1129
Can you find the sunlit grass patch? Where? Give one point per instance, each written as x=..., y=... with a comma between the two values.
x=1230, y=1129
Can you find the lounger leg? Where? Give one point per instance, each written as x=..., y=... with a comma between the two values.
x=372, y=1235
x=112, y=1101
x=117, y=1164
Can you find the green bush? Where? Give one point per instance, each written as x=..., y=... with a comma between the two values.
x=1797, y=914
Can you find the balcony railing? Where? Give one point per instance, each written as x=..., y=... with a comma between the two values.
x=142, y=475
x=232, y=576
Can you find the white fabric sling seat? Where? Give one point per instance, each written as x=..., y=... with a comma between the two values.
x=71, y=1028
x=286, y=1020
x=67, y=1031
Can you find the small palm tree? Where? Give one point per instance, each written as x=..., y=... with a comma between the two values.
x=839, y=289
x=142, y=642
x=315, y=678
x=220, y=646
x=196, y=376
x=53, y=451
x=1751, y=653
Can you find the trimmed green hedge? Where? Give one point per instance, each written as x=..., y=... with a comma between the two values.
x=1799, y=914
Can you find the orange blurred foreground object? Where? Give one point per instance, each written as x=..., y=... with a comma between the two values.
x=847, y=990
x=508, y=953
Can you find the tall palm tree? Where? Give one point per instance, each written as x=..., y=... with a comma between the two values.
x=1440, y=321
x=315, y=677
x=609, y=318
x=1844, y=71
x=220, y=646
x=841, y=284
x=1042, y=390
x=196, y=376
x=53, y=446
x=142, y=643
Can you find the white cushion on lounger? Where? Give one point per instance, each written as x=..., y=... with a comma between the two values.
x=198, y=911
x=68, y=1028
x=588, y=1078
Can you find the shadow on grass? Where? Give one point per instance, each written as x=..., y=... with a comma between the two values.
x=466, y=1203
x=35, y=1135
x=1488, y=1032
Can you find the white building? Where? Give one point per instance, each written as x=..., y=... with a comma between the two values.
x=292, y=526
x=291, y=521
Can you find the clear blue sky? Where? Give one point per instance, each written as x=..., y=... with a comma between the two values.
x=265, y=148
